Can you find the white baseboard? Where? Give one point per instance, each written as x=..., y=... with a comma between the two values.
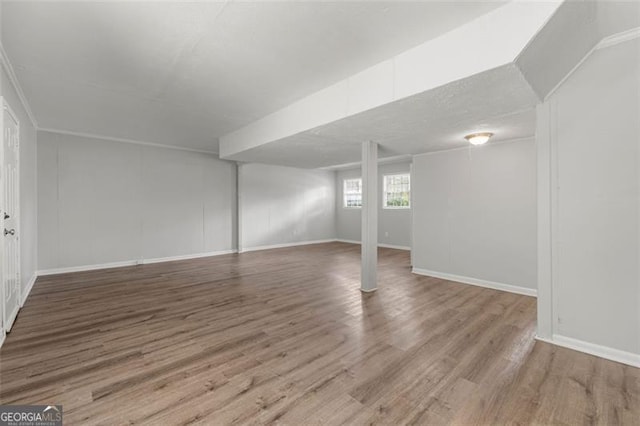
x=339, y=240
x=477, y=282
x=3, y=335
x=12, y=319
x=186, y=257
x=130, y=263
x=27, y=290
x=83, y=268
x=391, y=246
x=605, y=352
x=283, y=245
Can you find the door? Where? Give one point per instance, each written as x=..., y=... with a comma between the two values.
x=9, y=214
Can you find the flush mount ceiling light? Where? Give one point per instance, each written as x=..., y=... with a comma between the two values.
x=478, y=138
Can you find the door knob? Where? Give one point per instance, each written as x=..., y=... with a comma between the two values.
x=9, y=232
x=6, y=216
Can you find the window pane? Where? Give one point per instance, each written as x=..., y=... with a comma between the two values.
x=397, y=191
x=352, y=192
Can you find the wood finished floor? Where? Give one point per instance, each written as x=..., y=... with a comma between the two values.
x=285, y=336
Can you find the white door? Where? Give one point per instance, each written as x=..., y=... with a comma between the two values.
x=9, y=213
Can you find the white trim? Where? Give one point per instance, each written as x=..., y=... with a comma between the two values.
x=477, y=282
x=618, y=38
x=391, y=246
x=6, y=64
x=123, y=140
x=12, y=318
x=339, y=240
x=385, y=160
x=83, y=268
x=283, y=245
x=185, y=257
x=612, y=40
x=396, y=207
x=605, y=352
x=27, y=290
x=130, y=263
x=570, y=73
x=3, y=335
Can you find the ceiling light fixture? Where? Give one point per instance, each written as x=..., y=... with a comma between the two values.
x=478, y=138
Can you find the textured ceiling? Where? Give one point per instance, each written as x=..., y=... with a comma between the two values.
x=499, y=100
x=183, y=74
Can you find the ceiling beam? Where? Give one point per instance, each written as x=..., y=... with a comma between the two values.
x=490, y=41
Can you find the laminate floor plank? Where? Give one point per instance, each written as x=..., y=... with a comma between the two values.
x=285, y=336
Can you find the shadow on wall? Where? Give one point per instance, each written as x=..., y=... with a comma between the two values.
x=303, y=212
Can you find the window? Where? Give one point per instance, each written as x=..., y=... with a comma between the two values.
x=352, y=193
x=396, y=191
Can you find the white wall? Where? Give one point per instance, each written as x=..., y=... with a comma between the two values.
x=394, y=225
x=28, y=198
x=285, y=205
x=103, y=202
x=593, y=131
x=474, y=213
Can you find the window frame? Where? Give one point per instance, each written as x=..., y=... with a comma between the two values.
x=384, y=191
x=344, y=193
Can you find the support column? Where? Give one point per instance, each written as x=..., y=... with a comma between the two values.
x=237, y=218
x=369, y=263
x=544, y=144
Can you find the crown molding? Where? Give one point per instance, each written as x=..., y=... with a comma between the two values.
x=6, y=64
x=383, y=160
x=123, y=140
x=8, y=67
x=618, y=38
x=609, y=41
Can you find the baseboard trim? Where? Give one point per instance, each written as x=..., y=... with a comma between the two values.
x=130, y=263
x=186, y=257
x=477, y=282
x=28, y=289
x=623, y=357
x=12, y=319
x=3, y=335
x=84, y=268
x=284, y=245
x=340, y=240
x=391, y=246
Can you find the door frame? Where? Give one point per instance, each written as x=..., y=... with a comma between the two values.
x=9, y=317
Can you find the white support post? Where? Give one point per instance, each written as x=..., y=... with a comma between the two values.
x=544, y=134
x=368, y=280
x=238, y=213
